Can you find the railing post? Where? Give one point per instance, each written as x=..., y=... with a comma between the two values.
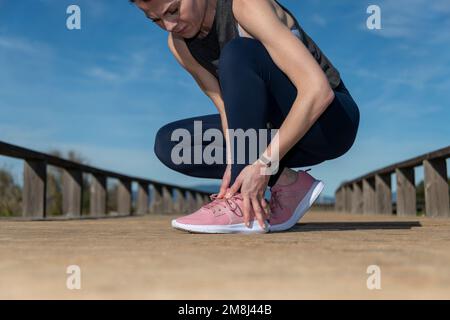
x=124, y=197
x=406, y=192
x=369, y=195
x=167, y=200
x=357, y=199
x=198, y=200
x=72, y=192
x=383, y=204
x=436, y=188
x=339, y=200
x=206, y=199
x=142, y=200
x=98, y=195
x=156, y=204
x=34, y=188
x=179, y=201
x=190, y=202
x=348, y=198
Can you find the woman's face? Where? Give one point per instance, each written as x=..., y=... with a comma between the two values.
x=182, y=17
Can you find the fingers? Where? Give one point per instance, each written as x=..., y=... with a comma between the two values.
x=265, y=206
x=259, y=211
x=247, y=211
x=223, y=190
x=225, y=184
x=253, y=209
x=235, y=187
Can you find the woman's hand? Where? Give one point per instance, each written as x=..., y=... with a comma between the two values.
x=253, y=185
x=225, y=182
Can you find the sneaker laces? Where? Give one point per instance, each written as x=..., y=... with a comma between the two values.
x=218, y=203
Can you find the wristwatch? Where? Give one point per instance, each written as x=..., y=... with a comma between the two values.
x=265, y=160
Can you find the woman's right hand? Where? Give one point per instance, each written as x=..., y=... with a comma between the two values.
x=225, y=182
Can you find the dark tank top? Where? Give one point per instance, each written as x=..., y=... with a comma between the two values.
x=207, y=50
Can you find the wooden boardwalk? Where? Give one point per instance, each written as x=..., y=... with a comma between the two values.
x=325, y=256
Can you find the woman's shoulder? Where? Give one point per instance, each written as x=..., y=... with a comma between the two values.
x=240, y=6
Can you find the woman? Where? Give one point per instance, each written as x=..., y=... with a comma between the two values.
x=261, y=70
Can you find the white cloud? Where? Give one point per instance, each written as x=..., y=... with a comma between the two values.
x=413, y=19
x=96, y=8
x=129, y=67
x=26, y=46
x=423, y=75
x=403, y=109
x=19, y=134
x=319, y=20
x=103, y=74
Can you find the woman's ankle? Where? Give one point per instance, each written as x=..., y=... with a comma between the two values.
x=287, y=177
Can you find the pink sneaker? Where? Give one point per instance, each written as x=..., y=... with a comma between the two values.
x=289, y=203
x=219, y=216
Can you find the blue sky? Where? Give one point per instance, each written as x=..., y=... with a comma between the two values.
x=104, y=90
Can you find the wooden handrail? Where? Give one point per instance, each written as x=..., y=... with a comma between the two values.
x=34, y=189
x=443, y=153
x=13, y=151
x=371, y=192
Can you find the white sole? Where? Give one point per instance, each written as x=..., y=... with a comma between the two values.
x=304, y=205
x=234, y=228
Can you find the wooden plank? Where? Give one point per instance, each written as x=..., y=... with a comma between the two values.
x=406, y=192
x=198, y=200
x=383, y=194
x=156, y=199
x=436, y=188
x=14, y=151
x=416, y=161
x=142, y=206
x=339, y=200
x=34, y=197
x=34, y=188
x=348, y=198
x=357, y=198
x=206, y=199
x=72, y=191
x=98, y=195
x=190, y=207
x=179, y=201
x=167, y=200
x=369, y=196
x=124, y=197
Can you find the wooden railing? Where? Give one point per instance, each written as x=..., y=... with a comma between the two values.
x=166, y=198
x=371, y=193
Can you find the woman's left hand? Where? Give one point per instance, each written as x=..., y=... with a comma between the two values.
x=253, y=186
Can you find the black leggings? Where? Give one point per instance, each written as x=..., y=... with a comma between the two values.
x=257, y=93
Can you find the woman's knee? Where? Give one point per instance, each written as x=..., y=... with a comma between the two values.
x=163, y=145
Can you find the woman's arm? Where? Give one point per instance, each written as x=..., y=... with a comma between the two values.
x=206, y=81
x=295, y=60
